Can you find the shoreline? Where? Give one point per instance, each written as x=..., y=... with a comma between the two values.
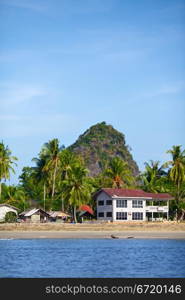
x=139, y=230
x=91, y=235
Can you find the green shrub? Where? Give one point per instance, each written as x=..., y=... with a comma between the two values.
x=10, y=217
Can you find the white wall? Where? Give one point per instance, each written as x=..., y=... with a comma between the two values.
x=129, y=209
x=4, y=210
x=112, y=208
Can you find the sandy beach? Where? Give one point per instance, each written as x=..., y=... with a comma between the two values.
x=91, y=235
x=168, y=230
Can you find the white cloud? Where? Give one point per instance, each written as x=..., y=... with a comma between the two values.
x=13, y=93
x=62, y=7
x=26, y=4
x=125, y=56
x=86, y=6
x=36, y=125
x=170, y=88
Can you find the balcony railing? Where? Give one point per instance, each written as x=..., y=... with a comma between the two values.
x=157, y=208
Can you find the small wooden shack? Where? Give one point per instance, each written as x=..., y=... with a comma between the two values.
x=35, y=215
x=58, y=216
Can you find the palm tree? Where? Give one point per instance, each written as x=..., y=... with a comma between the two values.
x=27, y=181
x=41, y=175
x=119, y=172
x=177, y=171
x=51, y=152
x=16, y=196
x=75, y=187
x=152, y=176
x=67, y=159
x=6, y=162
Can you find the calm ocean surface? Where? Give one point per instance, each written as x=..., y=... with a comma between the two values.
x=92, y=258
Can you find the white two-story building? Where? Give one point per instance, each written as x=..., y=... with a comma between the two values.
x=131, y=205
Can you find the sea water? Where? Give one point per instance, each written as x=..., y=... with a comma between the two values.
x=109, y=258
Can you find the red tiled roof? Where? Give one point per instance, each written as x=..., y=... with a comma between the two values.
x=86, y=208
x=161, y=196
x=134, y=193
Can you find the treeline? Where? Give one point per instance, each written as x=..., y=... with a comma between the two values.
x=59, y=179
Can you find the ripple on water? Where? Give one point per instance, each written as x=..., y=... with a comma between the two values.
x=92, y=258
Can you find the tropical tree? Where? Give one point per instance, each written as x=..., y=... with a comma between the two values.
x=119, y=173
x=76, y=189
x=6, y=162
x=27, y=182
x=153, y=177
x=67, y=160
x=177, y=170
x=41, y=175
x=100, y=181
x=177, y=209
x=51, y=152
x=15, y=195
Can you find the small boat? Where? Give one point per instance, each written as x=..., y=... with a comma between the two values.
x=114, y=237
x=130, y=237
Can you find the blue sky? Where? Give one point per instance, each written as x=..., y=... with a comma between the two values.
x=68, y=64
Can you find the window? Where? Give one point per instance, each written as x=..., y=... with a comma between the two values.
x=121, y=215
x=109, y=202
x=121, y=203
x=109, y=214
x=137, y=203
x=101, y=214
x=101, y=203
x=137, y=216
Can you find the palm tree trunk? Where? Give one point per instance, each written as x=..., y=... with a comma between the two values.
x=54, y=178
x=0, y=190
x=62, y=203
x=44, y=196
x=182, y=215
x=178, y=192
x=74, y=214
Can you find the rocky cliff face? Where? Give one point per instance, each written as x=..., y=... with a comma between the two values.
x=99, y=144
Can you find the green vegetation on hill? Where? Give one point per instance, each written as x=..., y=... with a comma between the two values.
x=99, y=144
